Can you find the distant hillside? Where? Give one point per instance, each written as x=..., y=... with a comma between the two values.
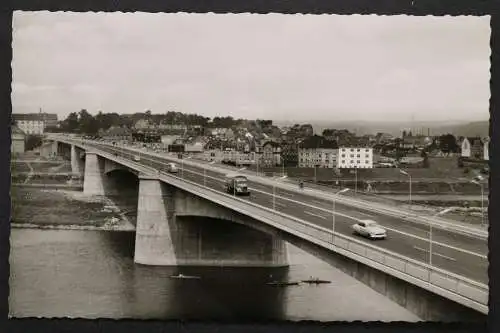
x=395, y=128
x=476, y=128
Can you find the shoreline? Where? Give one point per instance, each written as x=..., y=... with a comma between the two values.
x=123, y=228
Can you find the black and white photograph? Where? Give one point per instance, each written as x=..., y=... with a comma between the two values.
x=182, y=166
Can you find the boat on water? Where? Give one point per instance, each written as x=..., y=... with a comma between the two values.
x=187, y=277
x=283, y=283
x=312, y=280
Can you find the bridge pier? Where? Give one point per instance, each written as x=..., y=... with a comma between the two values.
x=75, y=161
x=165, y=239
x=94, y=180
x=49, y=149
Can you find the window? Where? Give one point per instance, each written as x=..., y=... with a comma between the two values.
x=367, y=162
x=367, y=156
x=352, y=161
x=352, y=149
x=358, y=155
x=358, y=161
x=358, y=149
x=343, y=161
x=367, y=150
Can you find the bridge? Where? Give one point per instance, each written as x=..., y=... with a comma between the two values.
x=450, y=284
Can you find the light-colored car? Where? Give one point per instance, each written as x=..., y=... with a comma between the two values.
x=370, y=229
x=172, y=168
x=137, y=158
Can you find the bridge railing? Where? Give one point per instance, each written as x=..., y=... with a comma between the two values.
x=447, y=284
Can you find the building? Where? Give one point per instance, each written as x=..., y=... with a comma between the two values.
x=270, y=154
x=475, y=148
x=34, y=123
x=18, y=137
x=116, y=133
x=316, y=151
x=290, y=154
x=213, y=155
x=355, y=158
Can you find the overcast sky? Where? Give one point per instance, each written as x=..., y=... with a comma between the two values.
x=294, y=67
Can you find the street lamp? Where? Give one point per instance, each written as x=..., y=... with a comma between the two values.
x=205, y=173
x=355, y=180
x=283, y=167
x=482, y=199
x=274, y=192
x=407, y=174
x=182, y=163
x=430, y=230
x=333, y=210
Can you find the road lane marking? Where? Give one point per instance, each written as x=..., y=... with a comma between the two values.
x=287, y=194
x=313, y=214
x=343, y=215
x=435, y=253
x=365, y=214
x=280, y=204
x=318, y=202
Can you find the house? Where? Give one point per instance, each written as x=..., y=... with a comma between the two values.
x=316, y=151
x=355, y=158
x=271, y=154
x=34, y=123
x=18, y=137
x=413, y=142
x=290, y=154
x=475, y=148
x=116, y=133
x=382, y=138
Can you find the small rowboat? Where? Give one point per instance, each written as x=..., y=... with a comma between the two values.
x=186, y=277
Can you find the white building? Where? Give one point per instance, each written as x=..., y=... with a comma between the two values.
x=355, y=158
x=475, y=147
x=17, y=145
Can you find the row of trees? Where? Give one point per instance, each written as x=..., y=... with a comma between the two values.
x=84, y=122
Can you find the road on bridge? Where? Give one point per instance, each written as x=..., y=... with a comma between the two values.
x=457, y=253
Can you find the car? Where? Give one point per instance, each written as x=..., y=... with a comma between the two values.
x=370, y=229
x=137, y=158
x=172, y=168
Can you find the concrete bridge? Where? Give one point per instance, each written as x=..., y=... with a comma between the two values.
x=183, y=222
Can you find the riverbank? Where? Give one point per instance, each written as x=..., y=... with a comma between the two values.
x=43, y=208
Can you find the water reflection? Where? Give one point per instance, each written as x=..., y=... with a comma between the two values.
x=91, y=274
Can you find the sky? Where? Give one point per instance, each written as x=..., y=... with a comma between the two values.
x=274, y=66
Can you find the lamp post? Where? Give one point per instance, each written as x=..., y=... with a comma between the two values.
x=182, y=163
x=356, y=180
x=205, y=174
x=274, y=192
x=333, y=210
x=482, y=199
x=430, y=231
x=283, y=166
x=407, y=174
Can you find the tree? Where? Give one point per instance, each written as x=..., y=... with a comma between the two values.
x=70, y=124
x=33, y=141
x=448, y=143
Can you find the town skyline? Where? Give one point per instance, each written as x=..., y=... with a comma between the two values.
x=213, y=71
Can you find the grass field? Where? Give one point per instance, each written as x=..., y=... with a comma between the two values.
x=54, y=208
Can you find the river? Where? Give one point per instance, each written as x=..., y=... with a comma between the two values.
x=91, y=274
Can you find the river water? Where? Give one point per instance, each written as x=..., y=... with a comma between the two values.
x=91, y=274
